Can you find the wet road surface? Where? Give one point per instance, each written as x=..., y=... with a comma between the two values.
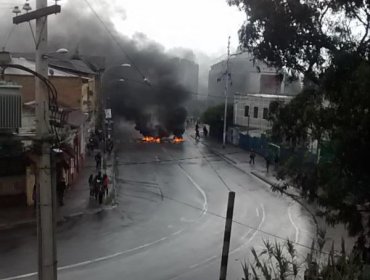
x=169, y=220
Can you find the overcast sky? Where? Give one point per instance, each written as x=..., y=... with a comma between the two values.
x=201, y=25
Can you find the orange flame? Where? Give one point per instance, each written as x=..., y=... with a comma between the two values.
x=177, y=140
x=151, y=139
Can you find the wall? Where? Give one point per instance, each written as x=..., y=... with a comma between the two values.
x=246, y=76
x=259, y=101
x=69, y=89
x=13, y=190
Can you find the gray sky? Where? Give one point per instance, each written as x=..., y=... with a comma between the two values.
x=200, y=25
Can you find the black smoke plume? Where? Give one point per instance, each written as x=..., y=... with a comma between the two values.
x=155, y=104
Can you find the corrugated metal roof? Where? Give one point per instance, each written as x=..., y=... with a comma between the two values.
x=85, y=64
x=71, y=65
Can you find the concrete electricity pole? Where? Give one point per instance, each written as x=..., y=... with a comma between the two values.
x=226, y=93
x=46, y=194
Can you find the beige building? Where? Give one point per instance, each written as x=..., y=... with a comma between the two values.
x=74, y=91
x=251, y=110
x=76, y=95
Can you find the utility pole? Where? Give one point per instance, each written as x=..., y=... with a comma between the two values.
x=226, y=92
x=46, y=208
x=227, y=235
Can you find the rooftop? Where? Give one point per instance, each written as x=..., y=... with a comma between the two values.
x=31, y=65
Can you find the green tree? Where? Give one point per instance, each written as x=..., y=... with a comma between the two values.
x=328, y=43
x=214, y=117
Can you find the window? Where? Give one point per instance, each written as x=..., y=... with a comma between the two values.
x=265, y=113
x=255, y=112
x=246, y=111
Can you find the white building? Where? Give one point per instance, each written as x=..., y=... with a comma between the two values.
x=249, y=75
x=251, y=111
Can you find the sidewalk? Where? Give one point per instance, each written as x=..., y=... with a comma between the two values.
x=240, y=159
x=77, y=199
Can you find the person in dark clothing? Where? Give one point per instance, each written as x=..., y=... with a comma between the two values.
x=101, y=193
x=252, y=157
x=61, y=187
x=98, y=161
x=197, y=135
x=109, y=145
x=105, y=184
x=276, y=159
x=196, y=126
x=268, y=162
x=205, y=131
x=98, y=183
x=91, y=184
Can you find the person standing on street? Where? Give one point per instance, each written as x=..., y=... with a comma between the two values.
x=252, y=157
x=197, y=135
x=105, y=184
x=101, y=193
x=268, y=162
x=205, y=131
x=98, y=161
x=91, y=184
x=98, y=182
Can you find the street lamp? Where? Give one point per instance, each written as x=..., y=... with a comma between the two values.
x=58, y=51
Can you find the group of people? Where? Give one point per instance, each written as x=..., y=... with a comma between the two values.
x=97, y=140
x=98, y=186
x=268, y=159
x=197, y=133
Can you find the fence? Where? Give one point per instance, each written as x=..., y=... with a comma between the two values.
x=263, y=147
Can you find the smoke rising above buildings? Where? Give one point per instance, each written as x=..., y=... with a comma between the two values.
x=155, y=109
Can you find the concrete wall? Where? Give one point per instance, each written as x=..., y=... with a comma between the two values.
x=246, y=78
x=261, y=102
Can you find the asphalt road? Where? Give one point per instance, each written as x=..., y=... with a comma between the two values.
x=169, y=221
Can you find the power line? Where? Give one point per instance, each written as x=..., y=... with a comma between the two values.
x=241, y=223
x=220, y=96
x=115, y=40
x=220, y=216
x=8, y=37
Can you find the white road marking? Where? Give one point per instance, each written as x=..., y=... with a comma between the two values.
x=294, y=225
x=205, y=201
x=255, y=232
x=203, y=262
x=212, y=258
x=88, y=262
x=257, y=212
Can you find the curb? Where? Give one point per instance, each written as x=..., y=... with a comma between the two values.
x=292, y=196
